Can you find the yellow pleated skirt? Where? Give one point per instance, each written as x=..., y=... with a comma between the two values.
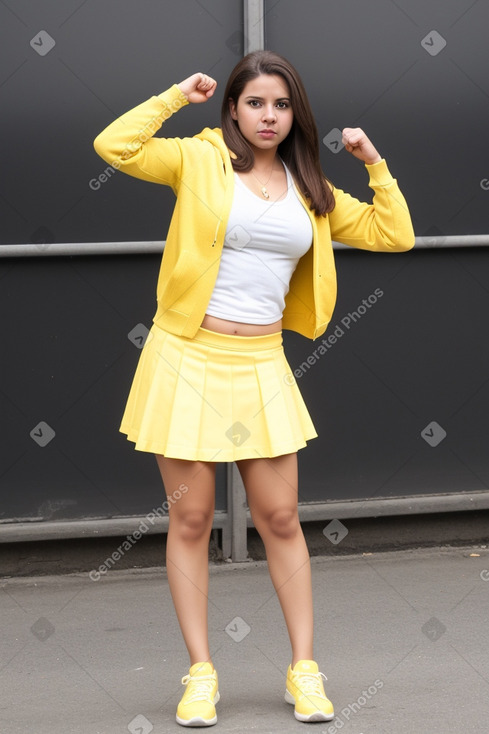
x=215, y=397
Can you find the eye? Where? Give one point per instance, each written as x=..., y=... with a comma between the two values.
x=283, y=105
x=254, y=103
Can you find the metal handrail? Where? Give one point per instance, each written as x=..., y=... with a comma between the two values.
x=64, y=249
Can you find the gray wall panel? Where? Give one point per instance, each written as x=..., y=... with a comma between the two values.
x=372, y=65
x=108, y=57
x=68, y=363
x=417, y=355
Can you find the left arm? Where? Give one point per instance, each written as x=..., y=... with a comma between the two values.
x=383, y=225
x=357, y=143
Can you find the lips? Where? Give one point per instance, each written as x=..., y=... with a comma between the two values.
x=267, y=133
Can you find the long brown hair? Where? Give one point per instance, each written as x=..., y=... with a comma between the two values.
x=300, y=149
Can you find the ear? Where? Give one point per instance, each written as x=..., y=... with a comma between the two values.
x=232, y=109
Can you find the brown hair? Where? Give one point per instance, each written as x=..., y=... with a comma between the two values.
x=300, y=149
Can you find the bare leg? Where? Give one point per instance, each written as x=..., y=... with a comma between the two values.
x=271, y=488
x=187, y=550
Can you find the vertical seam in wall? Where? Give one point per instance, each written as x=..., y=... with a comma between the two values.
x=254, y=25
x=253, y=40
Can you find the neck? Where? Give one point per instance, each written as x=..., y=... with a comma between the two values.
x=264, y=159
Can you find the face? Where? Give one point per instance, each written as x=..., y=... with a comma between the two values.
x=264, y=112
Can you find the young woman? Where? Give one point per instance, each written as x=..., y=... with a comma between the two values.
x=248, y=253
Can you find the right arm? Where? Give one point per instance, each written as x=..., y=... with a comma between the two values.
x=128, y=144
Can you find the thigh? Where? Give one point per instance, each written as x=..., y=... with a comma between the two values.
x=271, y=485
x=189, y=485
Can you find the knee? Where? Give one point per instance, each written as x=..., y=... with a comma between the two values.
x=192, y=525
x=283, y=523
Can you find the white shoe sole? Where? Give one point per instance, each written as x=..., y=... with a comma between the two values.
x=316, y=716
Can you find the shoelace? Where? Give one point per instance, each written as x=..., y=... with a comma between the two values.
x=201, y=687
x=310, y=684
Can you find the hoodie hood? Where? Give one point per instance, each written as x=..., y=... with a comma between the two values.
x=214, y=136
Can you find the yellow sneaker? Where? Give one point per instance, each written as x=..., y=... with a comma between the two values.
x=305, y=690
x=196, y=707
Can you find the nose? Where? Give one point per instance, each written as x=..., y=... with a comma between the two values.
x=269, y=114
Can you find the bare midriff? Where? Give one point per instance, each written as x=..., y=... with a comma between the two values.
x=223, y=326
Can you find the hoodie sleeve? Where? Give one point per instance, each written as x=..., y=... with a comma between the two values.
x=128, y=145
x=385, y=225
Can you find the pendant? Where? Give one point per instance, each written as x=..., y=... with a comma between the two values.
x=265, y=192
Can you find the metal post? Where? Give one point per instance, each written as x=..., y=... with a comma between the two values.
x=236, y=511
x=254, y=40
x=254, y=25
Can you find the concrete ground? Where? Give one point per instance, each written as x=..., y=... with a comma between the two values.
x=402, y=636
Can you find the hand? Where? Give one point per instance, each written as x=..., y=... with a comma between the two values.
x=357, y=143
x=198, y=87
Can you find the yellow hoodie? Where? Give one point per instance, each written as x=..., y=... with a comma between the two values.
x=200, y=173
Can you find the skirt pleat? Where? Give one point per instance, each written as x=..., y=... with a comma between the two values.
x=215, y=397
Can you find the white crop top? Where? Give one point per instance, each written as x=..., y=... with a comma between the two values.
x=263, y=244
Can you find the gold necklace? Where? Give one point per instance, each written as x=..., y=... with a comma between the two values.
x=263, y=188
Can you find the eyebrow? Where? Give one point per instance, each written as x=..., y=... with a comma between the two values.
x=279, y=99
